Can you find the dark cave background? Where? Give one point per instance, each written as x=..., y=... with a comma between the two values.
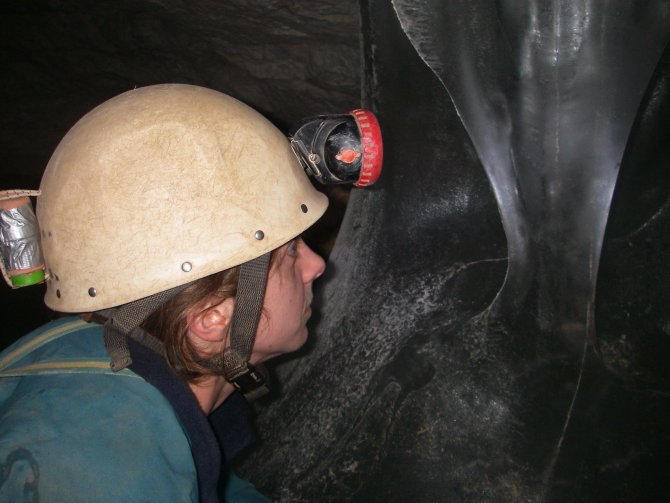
x=287, y=59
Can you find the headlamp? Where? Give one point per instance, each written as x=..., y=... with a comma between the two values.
x=338, y=149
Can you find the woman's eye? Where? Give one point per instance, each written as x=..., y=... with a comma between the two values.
x=292, y=249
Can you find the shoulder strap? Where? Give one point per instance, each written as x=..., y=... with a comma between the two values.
x=14, y=354
x=65, y=367
x=87, y=365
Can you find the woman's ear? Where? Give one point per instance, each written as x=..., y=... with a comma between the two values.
x=212, y=322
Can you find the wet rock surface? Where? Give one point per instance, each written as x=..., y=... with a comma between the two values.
x=468, y=363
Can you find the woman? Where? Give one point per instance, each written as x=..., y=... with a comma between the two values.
x=172, y=215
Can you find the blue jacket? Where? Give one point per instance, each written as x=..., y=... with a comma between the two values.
x=72, y=430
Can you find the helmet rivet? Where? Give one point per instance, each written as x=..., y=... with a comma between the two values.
x=92, y=292
x=303, y=207
x=186, y=267
x=58, y=293
x=259, y=235
x=314, y=158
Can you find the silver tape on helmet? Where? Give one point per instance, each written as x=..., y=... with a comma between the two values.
x=20, y=238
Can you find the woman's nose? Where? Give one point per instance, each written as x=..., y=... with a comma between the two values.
x=314, y=265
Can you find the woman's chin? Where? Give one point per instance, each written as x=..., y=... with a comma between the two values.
x=297, y=341
x=300, y=339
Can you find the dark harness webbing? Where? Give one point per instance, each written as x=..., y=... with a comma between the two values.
x=246, y=314
x=125, y=320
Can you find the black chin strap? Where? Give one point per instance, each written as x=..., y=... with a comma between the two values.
x=251, y=381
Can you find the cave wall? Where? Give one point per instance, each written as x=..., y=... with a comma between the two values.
x=505, y=323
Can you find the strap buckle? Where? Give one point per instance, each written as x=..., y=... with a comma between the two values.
x=252, y=382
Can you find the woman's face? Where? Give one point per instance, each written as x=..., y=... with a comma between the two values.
x=288, y=295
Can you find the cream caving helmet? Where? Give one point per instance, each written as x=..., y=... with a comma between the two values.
x=161, y=186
